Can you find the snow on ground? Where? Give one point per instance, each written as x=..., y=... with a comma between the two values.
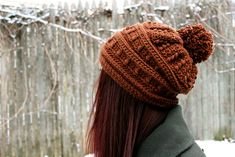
x=217, y=148
x=213, y=148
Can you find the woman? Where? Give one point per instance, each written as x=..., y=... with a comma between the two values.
x=136, y=112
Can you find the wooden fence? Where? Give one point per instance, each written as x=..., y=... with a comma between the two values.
x=49, y=63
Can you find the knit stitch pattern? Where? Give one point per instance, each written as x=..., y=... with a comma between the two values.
x=155, y=62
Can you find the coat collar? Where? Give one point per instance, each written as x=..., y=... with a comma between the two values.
x=169, y=139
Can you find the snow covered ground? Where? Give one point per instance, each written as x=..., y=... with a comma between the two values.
x=217, y=148
x=213, y=148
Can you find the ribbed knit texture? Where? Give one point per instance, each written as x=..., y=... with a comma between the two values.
x=155, y=62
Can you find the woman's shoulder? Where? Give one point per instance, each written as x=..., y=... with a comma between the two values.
x=172, y=138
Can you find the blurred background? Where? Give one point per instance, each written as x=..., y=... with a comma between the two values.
x=49, y=62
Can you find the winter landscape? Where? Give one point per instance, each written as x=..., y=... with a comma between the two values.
x=49, y=63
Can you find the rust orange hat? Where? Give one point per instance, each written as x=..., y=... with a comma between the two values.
x=155, y=62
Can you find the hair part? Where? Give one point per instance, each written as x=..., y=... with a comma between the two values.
x=119, y=122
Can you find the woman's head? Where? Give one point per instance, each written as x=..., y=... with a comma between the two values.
x=144, y=67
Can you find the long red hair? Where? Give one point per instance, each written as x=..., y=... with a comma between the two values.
x=119, y=122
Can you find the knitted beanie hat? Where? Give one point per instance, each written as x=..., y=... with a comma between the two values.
x=155, y=62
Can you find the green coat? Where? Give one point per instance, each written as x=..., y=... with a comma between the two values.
x=171, y=139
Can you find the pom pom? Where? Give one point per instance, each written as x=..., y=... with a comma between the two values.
x=197, y=41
